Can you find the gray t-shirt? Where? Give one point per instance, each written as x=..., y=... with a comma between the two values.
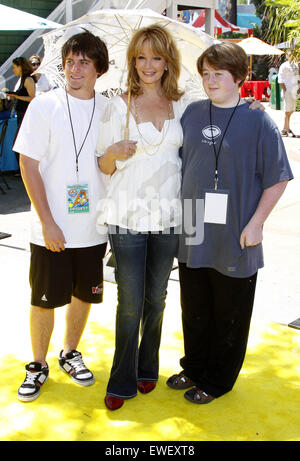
x=252, y=158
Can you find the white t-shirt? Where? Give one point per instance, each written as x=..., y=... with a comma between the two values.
x=42, y=85
x=46, y=136
x=289, y=75
x=144, y=191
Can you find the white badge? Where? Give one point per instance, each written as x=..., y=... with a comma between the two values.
x=215, y=210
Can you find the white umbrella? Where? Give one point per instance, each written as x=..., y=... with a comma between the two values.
x=115, y=28
x=255, y=46
x=13, y=19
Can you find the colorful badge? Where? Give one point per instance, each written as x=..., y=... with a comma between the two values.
x=78, y=198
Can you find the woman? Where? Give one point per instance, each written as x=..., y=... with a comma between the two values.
x=25, y=91
x=143, y=205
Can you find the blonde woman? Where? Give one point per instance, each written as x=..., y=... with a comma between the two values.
x=143, y=205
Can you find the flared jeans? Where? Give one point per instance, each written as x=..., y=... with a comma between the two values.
x=143, y=262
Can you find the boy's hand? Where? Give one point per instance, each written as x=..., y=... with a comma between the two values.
x=54, y=238
x=251, y=235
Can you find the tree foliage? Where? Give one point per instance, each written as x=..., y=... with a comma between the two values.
x=283, y=22
x=260, y=6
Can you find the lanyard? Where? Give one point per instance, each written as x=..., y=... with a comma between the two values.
x=214, y=147
x=89, y=127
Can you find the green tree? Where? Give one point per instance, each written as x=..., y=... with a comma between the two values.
x=260, y=6
x=283, y=22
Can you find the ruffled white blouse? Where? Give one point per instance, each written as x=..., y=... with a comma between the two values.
x=144, y=192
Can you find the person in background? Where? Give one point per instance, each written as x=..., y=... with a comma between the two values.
x=42, y=84
x=272, y=71
x=24, y=90
x=234, y=163
x=289, y=78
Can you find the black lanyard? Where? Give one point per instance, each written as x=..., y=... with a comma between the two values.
x=214, y=147
x=75, y=148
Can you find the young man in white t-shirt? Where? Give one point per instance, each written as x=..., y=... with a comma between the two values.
x=57, y=144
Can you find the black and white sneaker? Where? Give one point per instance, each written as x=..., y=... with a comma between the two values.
x=36, y=376
x=73, y=365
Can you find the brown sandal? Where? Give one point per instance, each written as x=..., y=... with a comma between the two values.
x=196, y=395
x=180, y=381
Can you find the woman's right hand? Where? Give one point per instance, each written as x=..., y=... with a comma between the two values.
x=122, y=150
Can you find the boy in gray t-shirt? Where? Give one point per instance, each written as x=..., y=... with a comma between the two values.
x=233, y=161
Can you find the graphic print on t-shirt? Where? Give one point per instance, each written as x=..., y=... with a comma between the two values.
x=211, y=132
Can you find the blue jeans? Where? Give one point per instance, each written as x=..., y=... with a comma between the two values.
x=143, y=262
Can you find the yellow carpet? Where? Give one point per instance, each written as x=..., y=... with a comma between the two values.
x=264, y=405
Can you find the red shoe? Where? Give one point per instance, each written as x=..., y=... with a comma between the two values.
x=146, y=386
x=113, y=403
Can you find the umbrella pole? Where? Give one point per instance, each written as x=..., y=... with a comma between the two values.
x=126, y=131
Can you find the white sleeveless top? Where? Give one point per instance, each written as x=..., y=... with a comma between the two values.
x=144, y=191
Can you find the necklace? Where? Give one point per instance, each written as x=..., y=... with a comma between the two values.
x=164, y=130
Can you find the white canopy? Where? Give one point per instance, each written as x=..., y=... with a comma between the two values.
x=13, y=19
x=255, y=46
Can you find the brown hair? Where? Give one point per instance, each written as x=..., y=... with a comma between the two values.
x=226, y=56
x=162, y=44
x=88, y=45
x=26, y=67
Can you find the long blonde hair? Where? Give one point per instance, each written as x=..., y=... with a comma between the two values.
x=161, y=44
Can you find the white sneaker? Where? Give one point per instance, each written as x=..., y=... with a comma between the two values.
x=36, y=376
x=73, y=365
